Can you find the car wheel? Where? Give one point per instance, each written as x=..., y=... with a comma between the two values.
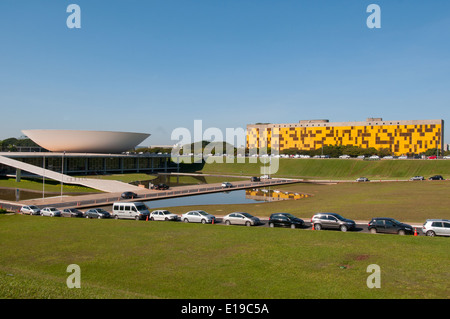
x=152, y=218
x=343, y=228
x=293, y=226
x=227, y=222
x=203, y=221
x=271, y=225
x=373, y=230
x=248, y=223
x=87, y=216
x=317, y=226
x=137, y=218
x=166, y=219
x=186, y=220
x=99, y=217
x=430, y=233
x=116, y=216
x=401, y=232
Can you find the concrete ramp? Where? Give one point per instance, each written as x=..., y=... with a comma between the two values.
x=99, y=184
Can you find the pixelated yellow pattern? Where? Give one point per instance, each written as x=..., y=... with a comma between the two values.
x=399, y=139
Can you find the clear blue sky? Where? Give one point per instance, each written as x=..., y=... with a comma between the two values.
x=153, y=66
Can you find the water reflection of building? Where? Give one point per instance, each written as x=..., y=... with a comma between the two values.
x=272, y=195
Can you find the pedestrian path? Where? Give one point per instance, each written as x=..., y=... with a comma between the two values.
x=108, y=186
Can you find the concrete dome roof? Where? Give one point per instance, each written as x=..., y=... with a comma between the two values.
x=77, y=141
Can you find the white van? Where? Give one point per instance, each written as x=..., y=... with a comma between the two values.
x=130, y=210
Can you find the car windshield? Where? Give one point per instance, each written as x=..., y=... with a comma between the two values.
x=289, y=215
x=33, y=207
x=166, y=212
x=141, y=207
x=395, y=221
x=247, y=215
x=53, y=209
x=338, y=216
x=202, y=213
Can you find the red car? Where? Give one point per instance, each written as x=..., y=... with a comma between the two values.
x=432, y=157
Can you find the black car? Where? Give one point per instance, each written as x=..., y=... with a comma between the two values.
x=160, y=187
x=436, y=178
x=389, y=226
x=71, y=212
x=255, y=179
x=285, y=220
x=97, y=213
x=127, y=195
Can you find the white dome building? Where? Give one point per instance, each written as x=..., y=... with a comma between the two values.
x=77, y=141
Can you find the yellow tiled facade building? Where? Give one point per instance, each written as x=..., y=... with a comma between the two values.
x=400, y=137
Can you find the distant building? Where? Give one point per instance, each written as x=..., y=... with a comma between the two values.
x=400, y=137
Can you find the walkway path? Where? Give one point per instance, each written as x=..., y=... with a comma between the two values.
x=109, y=186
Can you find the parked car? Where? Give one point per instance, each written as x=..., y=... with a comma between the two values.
x=128, y=195
x=345, y=156
x=332, y=221
x=446, y=157
x=403, y=157
x=265, y=177
x=160, y=187
x=240, y=218
x=285, y=220
x=227, y=185
x=71, y=212
x=97, y=213
x=50, y=211
x=417, y=178
x=432, y=157
x=436, y=227
x=436, y=178
x=389, y=226
x=163, y=215
x=127, y=210
x=362, y=179
x=374, y=157
x=255, y=179
x=30, y=210
x=198, y=216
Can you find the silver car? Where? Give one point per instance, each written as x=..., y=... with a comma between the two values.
x=198, y=216
x=50, y=211
x=436, y=227
x=30, y=210
x=162, y=215
x=240, y=218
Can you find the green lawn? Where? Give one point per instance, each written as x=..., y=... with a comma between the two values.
x=339, y=169
x=51, y=186
x=412, y=202
x=130, y=259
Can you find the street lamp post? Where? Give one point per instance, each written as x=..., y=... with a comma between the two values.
x=62, y=173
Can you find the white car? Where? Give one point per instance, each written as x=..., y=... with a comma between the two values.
x=240, y=218
x=30, y=210
x=227, y=184
x=374, y=157
x=345, y=156
x=446, y=157
x=198, y=216
x=162, y=215
x=50, y=211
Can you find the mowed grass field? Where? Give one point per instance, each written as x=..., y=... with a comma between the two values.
x=138, y=259
x=412, y=202
x=335, y=169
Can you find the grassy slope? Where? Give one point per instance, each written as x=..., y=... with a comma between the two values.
x=338, y=168
x=412, y=202
x=129, y=259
